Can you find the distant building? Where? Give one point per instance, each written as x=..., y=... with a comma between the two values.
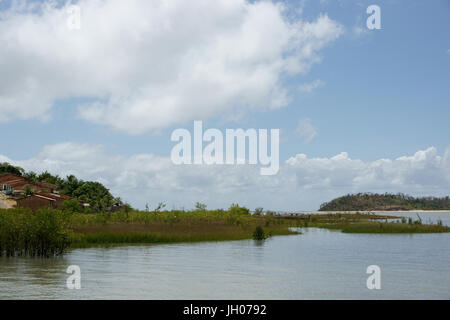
x=115, y=207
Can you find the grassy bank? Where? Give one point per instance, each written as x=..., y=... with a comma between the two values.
x=49, y=232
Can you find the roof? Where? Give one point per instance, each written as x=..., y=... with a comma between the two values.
x=18, y=183
x=52, y=196
x=4, y=178
x=14, y=181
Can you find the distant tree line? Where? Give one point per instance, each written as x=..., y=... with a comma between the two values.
x=386, y=201
x=94, y=193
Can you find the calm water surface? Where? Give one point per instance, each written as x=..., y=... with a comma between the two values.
x=318, y=264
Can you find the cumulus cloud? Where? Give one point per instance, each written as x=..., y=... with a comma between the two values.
x=145, y=65
x=306, y=129
x=302, y=183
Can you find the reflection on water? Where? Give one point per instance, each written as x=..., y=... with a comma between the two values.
x=319, y=264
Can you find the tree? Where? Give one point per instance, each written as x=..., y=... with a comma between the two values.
x=73, y=206
x=31, y=176
x=98, y=197
x=200, y=206
x=28, y=190
x=5, y=167
x=259, y=211
x=160, y=206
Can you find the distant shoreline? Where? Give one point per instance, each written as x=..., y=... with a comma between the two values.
x=385, y=211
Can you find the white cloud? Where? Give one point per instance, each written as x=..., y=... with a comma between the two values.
x=311, y=86
x=147, y=65
x=302, y=183
x=306, y=129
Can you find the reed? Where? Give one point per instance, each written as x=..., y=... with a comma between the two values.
x=24, y=233
x=49, y=232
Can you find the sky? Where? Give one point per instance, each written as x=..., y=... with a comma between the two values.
x=358, y=110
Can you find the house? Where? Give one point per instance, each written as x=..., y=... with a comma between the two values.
x=44, y=195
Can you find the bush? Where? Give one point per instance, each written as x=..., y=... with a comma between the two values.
x=259, y=234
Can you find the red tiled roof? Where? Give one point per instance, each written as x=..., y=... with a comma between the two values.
x=19, y=182
x=10, y=178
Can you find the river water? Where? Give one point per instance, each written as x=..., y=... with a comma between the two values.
x=317, y=264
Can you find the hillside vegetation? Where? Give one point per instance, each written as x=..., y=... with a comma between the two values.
x=385, y=202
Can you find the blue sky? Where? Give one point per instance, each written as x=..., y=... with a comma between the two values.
x=382, y=94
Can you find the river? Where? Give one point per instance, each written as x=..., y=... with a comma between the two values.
x=317, y=264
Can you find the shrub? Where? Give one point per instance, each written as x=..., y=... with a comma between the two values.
x=259, y=234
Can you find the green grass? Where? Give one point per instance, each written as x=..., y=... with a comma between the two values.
x=50, y=232
x=181, y=231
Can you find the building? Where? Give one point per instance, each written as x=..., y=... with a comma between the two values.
x=44, y=195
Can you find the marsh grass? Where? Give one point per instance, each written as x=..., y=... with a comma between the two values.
x=49, y=232
x=24, y=233
x=184, y=230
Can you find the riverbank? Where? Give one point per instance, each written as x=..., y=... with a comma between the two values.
x=194, y=226
x=50, y=232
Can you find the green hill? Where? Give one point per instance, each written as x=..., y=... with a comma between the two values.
x=385, y=202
